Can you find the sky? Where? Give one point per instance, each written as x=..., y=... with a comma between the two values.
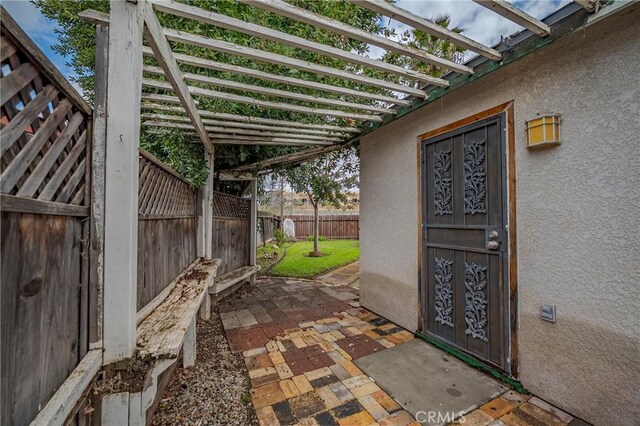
x=481, y=24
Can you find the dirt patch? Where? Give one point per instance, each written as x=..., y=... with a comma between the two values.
x=213, y=392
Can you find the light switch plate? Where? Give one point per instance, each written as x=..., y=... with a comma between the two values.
x=548, y=313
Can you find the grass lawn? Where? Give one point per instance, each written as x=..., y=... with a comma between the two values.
x=297, y=263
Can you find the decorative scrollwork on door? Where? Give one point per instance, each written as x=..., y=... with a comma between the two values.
x=475, y=171
x=475, y=311
x=442, y=182
x=444, y=293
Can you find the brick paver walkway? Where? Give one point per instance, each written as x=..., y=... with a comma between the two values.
x=299, y=339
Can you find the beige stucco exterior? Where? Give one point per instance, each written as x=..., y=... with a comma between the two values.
x=578, y=216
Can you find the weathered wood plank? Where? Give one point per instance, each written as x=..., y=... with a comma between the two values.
x=224, y=67
x=50, y=189
x=16, y=81
x=41, y=274
x=166, y=247
x=14, y=171
x=240, y=131
x=60, y=406
x=512, y=13
x=18, y=124
x=163, y=54
x=213, y=94
x=69, y=189
x=249, y=119
x=241, y=125
x=230, y=84
x=121, y=180
x=259, y=55
x=38, y=175
x=13, y=31
x=422, y=24
x=11, y=203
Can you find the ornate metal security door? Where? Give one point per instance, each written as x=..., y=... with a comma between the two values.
x=464, y=237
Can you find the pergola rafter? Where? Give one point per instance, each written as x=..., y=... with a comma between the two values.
x=172, y=103
x=242, y=125
x=230, y=84
x=290, y=81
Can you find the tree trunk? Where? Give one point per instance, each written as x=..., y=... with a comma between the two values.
x=282, y=203
x=316, y=229
x=316, y=225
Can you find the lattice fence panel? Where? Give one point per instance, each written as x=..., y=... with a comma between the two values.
x=44, y=136
x=162, y=192
x=230, y=206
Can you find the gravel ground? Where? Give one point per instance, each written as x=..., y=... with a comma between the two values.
x=213, y=392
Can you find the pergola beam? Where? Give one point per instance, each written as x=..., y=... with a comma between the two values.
x=163, y=54
x=213, y=94
x=269, y=91
x=227, y=22
x=238, y=131
x=249, y=119
x=285, y=9
x=295, y=157
x=249, y=140
x=516, y=15
x=240, y=125
x=276, y=59
x=220, y=66
x=588, y=5
x=422, y=24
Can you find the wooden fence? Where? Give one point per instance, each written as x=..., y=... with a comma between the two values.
x=231, y=231
x=337, y=226
x=267, y=226
x=166, y=227
x=45, y=182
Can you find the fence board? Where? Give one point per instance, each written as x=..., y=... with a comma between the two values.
x=41, y=273
x=165, y=248
x=167, y=226
x=336, y=226
x=231, y=231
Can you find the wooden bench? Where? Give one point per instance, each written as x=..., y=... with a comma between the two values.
x=168, y=324
x=229, y=282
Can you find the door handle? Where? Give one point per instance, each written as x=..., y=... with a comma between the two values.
x=493, y=245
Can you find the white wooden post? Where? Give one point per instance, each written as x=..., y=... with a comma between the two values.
x=121, y=179
x=253, y=228
x=205, y=229
x=189, y=346
x=98, y=151
x=208, y=209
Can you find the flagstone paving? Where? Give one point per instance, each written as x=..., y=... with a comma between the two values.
x=298, y=340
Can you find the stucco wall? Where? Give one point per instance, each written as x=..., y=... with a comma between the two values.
x=578, y=215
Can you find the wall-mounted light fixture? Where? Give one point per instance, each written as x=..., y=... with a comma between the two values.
x=543, y=131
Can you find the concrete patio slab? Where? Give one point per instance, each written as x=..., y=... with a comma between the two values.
x=425, y=379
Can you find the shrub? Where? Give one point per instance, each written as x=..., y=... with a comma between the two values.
x=320, y=238
x=279, y=236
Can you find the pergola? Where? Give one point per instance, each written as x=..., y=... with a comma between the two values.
x=180, y=110
x=113, y=182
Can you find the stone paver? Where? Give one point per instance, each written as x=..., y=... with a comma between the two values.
x=299, y=338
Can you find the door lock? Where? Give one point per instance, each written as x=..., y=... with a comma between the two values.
x=493, y=235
